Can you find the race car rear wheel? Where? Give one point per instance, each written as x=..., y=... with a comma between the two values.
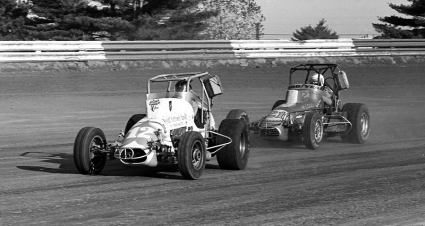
x=279, y=102
x=312, y=130
x=234, y=155
x=191, y=155
x=358, y=115
x=87, y=157
x=135, y=118
x=238, y=114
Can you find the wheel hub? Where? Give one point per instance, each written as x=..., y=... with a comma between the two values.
x=196, y=157
x=318, y=133
x=364, y=122
x=242, y=144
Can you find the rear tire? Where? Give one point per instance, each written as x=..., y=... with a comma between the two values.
x=312, y=130
x=191, y=155
x=234, y=155
x=358, y=115
x=133, y=120
x=239, y=114
x=86, y=159
x=279, y=102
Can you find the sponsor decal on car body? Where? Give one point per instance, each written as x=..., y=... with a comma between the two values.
x=307, y=86
x=175, y=121
x=154, y=104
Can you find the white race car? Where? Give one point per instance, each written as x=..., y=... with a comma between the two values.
x=177, y=129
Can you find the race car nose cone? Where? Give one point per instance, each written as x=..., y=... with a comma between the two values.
x=275, y=118
x=137, y=142
x=268, y=124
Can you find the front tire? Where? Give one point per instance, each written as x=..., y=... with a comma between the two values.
x=278, y=103
x=234, y=155
x=133, y=120
x=87, y=157
x=191, y=155
x=358, y=115
x=312, y=130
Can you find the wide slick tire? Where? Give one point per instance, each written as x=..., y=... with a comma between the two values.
x=278, y=103
x=87, y=159
x=191, y=155
x=358, y=115
x=133, y=120
x=235, y=155
x=239, y=114
x=312, y=130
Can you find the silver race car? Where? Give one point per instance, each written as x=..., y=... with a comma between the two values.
x=313, y=108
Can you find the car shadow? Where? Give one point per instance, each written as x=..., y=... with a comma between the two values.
x=212, y=166
x=118, y=169
x=256, y=141
x=334, y=140
x=66, y=165
x=64, y=160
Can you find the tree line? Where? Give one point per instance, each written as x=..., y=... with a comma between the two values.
x=411, y=26
x=70, y=20
x=170, y=20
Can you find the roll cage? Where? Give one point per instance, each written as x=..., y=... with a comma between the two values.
x=335, y=78
x=211, y=87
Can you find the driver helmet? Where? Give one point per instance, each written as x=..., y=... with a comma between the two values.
x=317, y=79
x=181, y=86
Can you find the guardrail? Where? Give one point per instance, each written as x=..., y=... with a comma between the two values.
x=39, y=51
x=29, y=51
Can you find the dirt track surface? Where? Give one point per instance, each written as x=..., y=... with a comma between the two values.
x=381, y=182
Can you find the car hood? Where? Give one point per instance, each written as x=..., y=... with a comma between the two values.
x=297, y=100
x=142, y=133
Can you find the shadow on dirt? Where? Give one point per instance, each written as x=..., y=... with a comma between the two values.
x=118, y=169
x=112, y=168
x=163, y=172
x=64, y=160
x=256, y=141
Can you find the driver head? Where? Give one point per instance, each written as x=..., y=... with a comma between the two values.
x=181, y=86
x=317, y=79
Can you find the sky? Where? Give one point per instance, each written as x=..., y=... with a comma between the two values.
x=341, y=16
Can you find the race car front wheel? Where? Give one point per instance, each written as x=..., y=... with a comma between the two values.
x=191, y=155
x=234, y=155
x=278, y=103
x=358, y=115
x=133, y=120
x=87, y=157
x=312, y=130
